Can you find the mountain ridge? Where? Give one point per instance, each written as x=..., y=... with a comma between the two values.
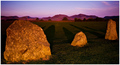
x=57, y=17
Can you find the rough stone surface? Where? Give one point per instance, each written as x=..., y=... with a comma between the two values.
x=79, y=40
x=111, y=33
x=26, y=41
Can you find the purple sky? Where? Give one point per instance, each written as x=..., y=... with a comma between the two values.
x=51, y=8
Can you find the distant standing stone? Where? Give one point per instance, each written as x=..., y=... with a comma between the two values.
x=79, y=40
x=26, y=41
x=111, y=33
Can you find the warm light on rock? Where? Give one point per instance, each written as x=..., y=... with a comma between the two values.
x=26, y=41
x=79, y=40
x=111, y=33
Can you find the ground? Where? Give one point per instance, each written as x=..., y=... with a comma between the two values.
x=60, y=36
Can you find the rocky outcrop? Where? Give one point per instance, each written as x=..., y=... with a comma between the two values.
x=79, y=40
x=26, y=41
x=111, y=33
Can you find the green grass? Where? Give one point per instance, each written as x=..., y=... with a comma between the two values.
x=60, y=36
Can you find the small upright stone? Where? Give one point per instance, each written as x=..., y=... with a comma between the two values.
x=26, y=41
x=79, y=40
x=111, y=33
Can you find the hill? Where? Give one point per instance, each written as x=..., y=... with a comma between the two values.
x=111, y=17
x=12, y=18
x=82, y=16
x=9, y=17
x=27, y=18
x=59, y=17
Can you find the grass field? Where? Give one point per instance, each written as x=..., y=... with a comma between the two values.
x=60, y=36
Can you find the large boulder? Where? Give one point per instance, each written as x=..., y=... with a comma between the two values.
x=111, y=33
x=26, y=41
x=79, y=40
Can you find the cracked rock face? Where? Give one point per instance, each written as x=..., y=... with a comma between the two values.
x=26, y=41
x=79, y=40
x=111, y=33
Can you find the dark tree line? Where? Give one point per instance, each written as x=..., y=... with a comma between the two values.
x=65, y=19
x=90, y=19
x=80, y=20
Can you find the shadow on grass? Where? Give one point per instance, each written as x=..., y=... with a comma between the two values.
x=92, y=32
x=95, y=29
x=50, y=33
x=4, y=26
x=43, y=27
x=69, y=35
x=3, y=40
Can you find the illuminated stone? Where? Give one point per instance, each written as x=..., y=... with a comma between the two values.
x=79, y=40
x=26, y=41
x=111, y=33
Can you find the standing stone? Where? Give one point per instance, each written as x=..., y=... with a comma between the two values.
x=26, y=41
x=111, y=33
x=79, y=40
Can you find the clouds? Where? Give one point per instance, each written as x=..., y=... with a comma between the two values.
x=101, y=9
x=105, y=3
x=110, y=11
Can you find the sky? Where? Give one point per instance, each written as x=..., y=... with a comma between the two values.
x=51, y=8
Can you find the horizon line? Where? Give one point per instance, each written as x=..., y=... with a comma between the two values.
x=54, y=15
